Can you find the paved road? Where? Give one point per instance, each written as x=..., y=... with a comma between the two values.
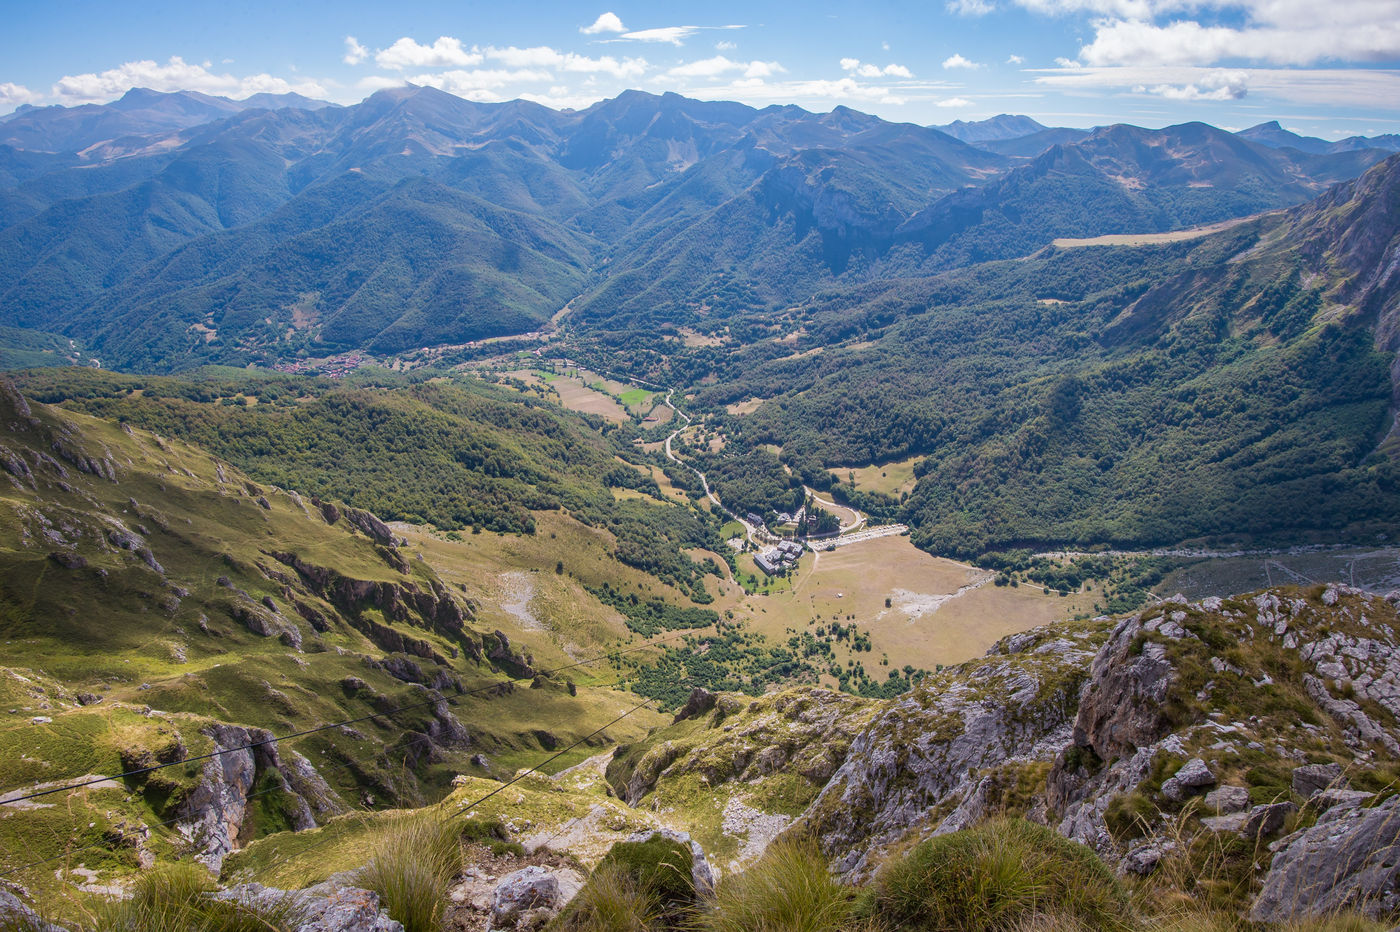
x=759, y=536
x=845, y=528
x=756, y=536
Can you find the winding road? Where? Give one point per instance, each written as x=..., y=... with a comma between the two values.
x=759, y=536
x=756, y=536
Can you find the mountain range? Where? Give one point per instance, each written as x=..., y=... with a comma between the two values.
x=498, y=558
x=168, y=230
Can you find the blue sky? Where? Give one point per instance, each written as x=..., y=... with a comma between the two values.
x=1330, y=69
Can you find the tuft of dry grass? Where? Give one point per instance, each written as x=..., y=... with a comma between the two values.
x=178, y=898
x=788, y=890
x=997, y=876
x=611, y=901
x=413, y=862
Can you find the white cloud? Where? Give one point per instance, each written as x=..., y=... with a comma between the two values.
x=480, y=84
x=354, y=51
x=725, y=45
x=866, y=70
x=970, y=7
x=1015, y=60
x=1319, y=87
x=542, y=56
x=706, y=68
x=1219, y=85
x=446, y=52
x=1210, y=32
x=672, y=34
x=607, y=22
x=13, y=95
x=820, y=93
x=175, y=75
x=561, y=98
x=954, y=102
x=1301, y=42
x=379, y=82
x=675, y=35
x=713, y=67
x=957, y=61
x=1123, y=9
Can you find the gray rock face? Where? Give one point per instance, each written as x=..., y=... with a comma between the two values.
x=1224, y=800
x=1233, y=822
x=15, y=915
x=212, y=814
x=1349, y=860
x=1193, y=775
x=1346, y=799
x=530, y=897
x=1360, y=729
x=1263, y=821
x=1143, y=859
x=1122, y=710
x=216, y=807
x=926, y=747
x=326, y=907
x=1311, y=779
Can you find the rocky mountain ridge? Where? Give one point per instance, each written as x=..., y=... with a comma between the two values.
x=419, y=219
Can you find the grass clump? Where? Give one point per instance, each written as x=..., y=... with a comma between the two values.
x=659, y=866
x=998, y=876
x=178, y=899
x=789, y=890
x=611, y=901
x=414, y=860
x=1204, y=920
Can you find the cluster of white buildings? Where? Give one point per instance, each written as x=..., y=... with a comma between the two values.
x=778, y=560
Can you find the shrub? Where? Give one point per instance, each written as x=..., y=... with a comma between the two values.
x=789, y=890
x=658, y=866
x=611, y=901
x=414, y=859
x=996, y=876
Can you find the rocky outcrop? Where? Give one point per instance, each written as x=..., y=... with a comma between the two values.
x=702, y=875
x=804, y=730
x=15, y=915
x=1123, y=707
x=433, y=609
x=499, y=652
x=326, y=907
x=1349, y=860
x=212, y=814
x=370, y=526
x=1150, y=735
x=919, y=767
x=214, y=810
x=531, y=896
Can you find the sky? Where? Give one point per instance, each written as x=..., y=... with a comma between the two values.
x=1329, y=69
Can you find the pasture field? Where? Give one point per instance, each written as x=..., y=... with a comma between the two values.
x=940, y=611
x=889, y=479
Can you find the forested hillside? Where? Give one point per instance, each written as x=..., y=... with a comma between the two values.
x=167, y=231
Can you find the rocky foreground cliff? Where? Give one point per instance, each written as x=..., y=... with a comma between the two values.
x=1247, y=743
x=1243, y=752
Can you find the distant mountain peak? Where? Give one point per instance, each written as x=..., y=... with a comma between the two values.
x=992, y=129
